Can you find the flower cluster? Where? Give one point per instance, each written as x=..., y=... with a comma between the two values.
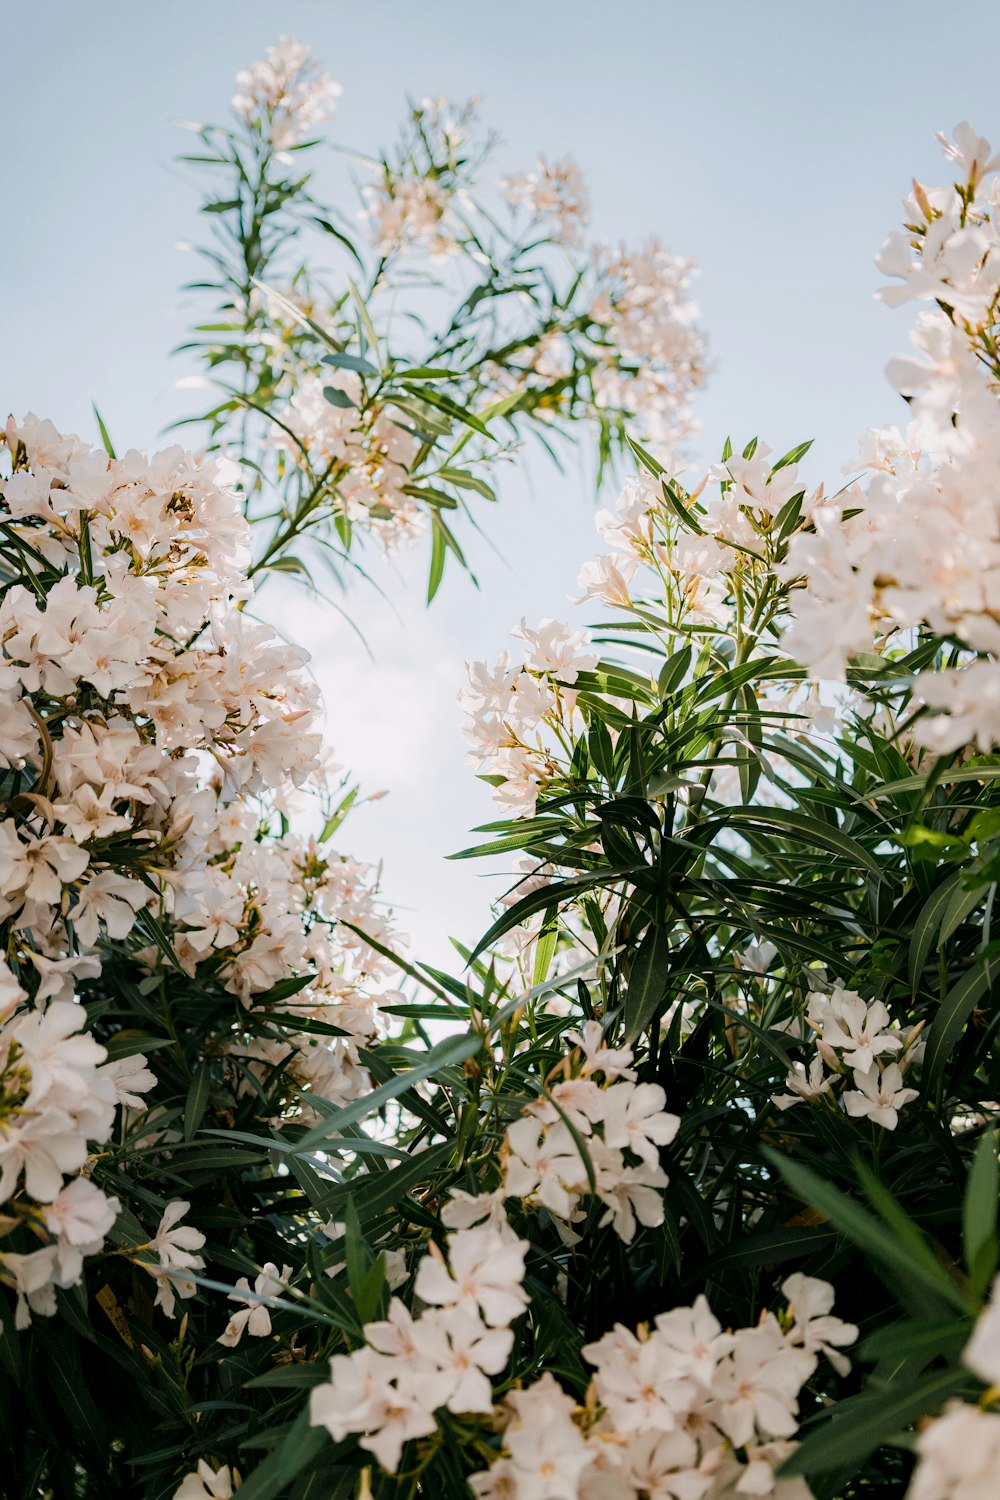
x=513, y=712
x=855, y=1038
x=58, y=1096
x=285, y=94
x=147, y=725
x=365, y=449
x=410, y=1367
x=372, y=448
x=958, y=1453
x=918, y=545
x=585, y=1137
x=681, y=1409
x=555, y=195
x=409, y=206
x=655, y=348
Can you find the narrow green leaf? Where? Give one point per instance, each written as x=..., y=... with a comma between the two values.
x=647, y=982
x=979, y=1212
x=902, y=1271
x=197, y=1098
x=445, y=1054
x=949, y=1023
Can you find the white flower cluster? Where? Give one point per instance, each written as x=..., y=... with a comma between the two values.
x=285, y=94
x=368, y=453
x=544, y=1162
x=655, y=348
x=555, y=194
x=513, y=712
x=919, y=544
x=410, y=211
x=410, y=1367
x=58, y=1096
x=142, y=717
x=958, y=1454
x=409, y=205
x=857, y=1036
x=681, y=1410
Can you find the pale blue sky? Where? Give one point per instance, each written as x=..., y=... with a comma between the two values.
x=770, y=141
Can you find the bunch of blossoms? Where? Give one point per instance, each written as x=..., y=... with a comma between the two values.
x=857, y=1042
x=916, y=547
x=555, y=195
x=410, y=1367
x=729, y=830
x=286, y=94
x=583, y=1137
x=651, y=337
x=678, y=1409
x=519, y=717
x=381, y=392
x=145, y=723
x=958, y=1452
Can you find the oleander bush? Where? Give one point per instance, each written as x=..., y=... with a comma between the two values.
x=684, y=1186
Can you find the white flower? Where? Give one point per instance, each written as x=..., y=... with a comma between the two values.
x=131, y=1079
x=812, y=1085
x=958, y=1456
x=176, y=1245
x=634, y=1117
x=613, y=1062
x=286, y=91
x=548, y=1452
x=757, y=1385
x=368, y=1395
x=879, y=1096
x=254, y=1317
x=462, y=1351
x=486, y=1272
x=81, y=1214
x=206, y=1483
x=643, y=1388
x=810, y=1302
x=632, y=1195
x=855, y=1027
x=982, y=1352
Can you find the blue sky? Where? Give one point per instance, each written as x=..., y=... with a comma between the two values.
x=771, y=141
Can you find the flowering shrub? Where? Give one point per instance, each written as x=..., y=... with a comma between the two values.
x=190, y=991
x=696, y=1199
x=378, y=395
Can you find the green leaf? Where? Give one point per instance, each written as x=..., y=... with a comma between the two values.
x=465, y=480
x=810, y=831
x=792, y=456
x=301, y=1444
x=863, y=1423
x=63, y=1374
x=912, y=1339
x=105, y=438
x=439, y=552
x=197, y=1098
x=949, y=1023
x=375, y=1194
x=927, y=923
x=979, y=1213
x=445, y=1054
x=647, y=982
x=350, y=362
x=337, y=397
x=545, y=946
x=901, y=1269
